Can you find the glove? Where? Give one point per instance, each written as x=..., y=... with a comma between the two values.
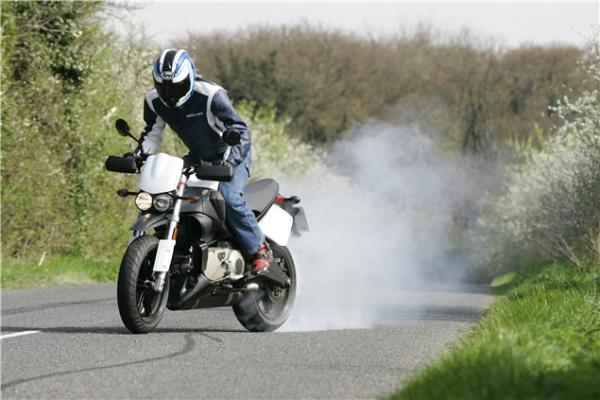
x=189, y=161
x=133, y=154
x=138, y=151
x=232, y=137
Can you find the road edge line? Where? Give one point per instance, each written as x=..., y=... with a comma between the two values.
x=11, y=335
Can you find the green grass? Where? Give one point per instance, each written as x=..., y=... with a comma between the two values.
x=541, y=340
x=58, y=270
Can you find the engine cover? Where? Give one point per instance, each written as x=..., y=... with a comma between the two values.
x=224, y=262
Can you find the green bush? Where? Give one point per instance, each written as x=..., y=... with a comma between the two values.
x=551, y=206
x=274, y=151
x=64, y=81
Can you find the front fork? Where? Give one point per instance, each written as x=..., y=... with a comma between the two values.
x=164, y=254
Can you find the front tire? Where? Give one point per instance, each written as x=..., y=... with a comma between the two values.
x=271, y=306
x=140, y=307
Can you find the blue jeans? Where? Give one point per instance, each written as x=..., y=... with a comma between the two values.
x=238, y=215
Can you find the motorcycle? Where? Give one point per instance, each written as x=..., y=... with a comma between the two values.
x=183, y=256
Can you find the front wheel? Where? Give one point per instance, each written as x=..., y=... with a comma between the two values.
x=267, y=309
x=141, y=308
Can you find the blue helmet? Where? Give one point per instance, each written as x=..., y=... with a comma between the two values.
x=174, y=74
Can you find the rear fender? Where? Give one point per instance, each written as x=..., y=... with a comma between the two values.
x=300, y=223
x=276, y=224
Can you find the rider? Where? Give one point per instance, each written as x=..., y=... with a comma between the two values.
x=199, y=112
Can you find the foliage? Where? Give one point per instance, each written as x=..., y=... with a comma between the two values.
x=63, y=83
x=320, y=81
x=541, y=341
x=275, y=153
x=550, y=207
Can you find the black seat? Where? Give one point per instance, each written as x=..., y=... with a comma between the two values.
x=261, y=194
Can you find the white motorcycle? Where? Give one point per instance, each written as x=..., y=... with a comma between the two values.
x=182, y=254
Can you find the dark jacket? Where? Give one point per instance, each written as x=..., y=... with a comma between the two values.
x=199, y=123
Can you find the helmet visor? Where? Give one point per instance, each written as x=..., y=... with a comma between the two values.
x=171, y=92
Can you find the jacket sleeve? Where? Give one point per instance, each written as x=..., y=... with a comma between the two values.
x=226, y=117
x=152, y=134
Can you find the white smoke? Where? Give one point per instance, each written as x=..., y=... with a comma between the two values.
x=382, y=215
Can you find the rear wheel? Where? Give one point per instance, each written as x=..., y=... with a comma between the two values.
x=267, y=309
x=141, y=308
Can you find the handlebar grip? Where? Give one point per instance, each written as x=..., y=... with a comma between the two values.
x=121, y=164
x=223, y=173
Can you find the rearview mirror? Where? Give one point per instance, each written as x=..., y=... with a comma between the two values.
x=123, y=129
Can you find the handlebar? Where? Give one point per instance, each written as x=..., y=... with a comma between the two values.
x=131, y=164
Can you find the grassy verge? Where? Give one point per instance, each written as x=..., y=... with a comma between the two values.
x=56, y=271
x=540, y=340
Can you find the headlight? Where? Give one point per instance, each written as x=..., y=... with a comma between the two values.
x=162, y=202
x=143, y=201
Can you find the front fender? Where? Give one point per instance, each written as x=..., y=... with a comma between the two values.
x=148, y=221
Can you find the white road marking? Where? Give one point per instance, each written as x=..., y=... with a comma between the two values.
x=18, y=334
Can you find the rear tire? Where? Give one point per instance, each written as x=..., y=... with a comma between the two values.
x=271, y=306
x=140, y=307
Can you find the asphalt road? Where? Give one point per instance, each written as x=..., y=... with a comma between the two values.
x=75, y=346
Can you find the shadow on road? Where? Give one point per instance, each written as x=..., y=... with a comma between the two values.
x=22, y=310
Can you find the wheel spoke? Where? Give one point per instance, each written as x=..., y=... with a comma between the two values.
x=140, y=304
x=148, y=301
x=148, y=304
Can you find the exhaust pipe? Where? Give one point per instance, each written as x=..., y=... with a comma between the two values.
x=202, y=284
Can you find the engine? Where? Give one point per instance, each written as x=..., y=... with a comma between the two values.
x=224, y=262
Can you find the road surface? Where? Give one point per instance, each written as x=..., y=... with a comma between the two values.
x=68, y=342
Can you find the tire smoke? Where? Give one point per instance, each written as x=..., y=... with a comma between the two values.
x=385, y=211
